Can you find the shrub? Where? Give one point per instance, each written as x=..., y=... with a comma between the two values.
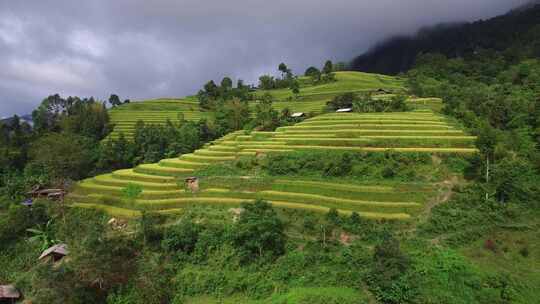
x=387, y=278
x=524, y=251
x=181, y=237
x=259, y=232
x=490, y=245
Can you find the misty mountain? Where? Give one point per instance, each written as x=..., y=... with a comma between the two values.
x=509, y=33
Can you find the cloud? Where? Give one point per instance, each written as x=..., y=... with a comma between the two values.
x=143, y=49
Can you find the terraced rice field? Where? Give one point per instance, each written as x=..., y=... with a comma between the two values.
x=420, y=131
x=156, y=111
x=312, y=99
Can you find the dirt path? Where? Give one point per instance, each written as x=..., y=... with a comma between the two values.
x=444, y=193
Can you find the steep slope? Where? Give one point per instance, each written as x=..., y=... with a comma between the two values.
x=163, y=189
x=517, y=32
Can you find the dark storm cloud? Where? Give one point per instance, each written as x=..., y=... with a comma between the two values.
x=141, y=49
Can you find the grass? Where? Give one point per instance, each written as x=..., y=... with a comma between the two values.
x=312, y=295
x=508, y=259
x=113, y=211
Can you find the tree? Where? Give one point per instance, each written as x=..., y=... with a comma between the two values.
x=283, y=69
x=328, y=67
x=63, y=155
x=226, y=83
x=266, y=82
x=46, y=116
x=344, y=100
x=486, y=141
x=311, y=71
x=390, y=264
x=240, y=84
x=265, y=115
x=295, y=88
x=211, y=89
x=181, y=237
x=116, y=153
x=114, y=100
x=231, y=115
x=259, y=232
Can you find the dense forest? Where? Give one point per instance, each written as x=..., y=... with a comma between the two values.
x=506, y=34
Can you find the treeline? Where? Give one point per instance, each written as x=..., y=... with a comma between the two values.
x=62, y=144
x=514, y=35
x=66, y=143
x=215, y=96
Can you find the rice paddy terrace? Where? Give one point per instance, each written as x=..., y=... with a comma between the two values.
x=163, y=189
x=156, y=111
x=312, y=99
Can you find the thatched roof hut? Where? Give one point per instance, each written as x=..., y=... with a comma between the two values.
x=192, y=183
x=56, y=252
x=9, y=293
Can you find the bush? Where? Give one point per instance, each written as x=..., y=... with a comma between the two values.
x=259, y=232
x=387, y=278
x=181, y=237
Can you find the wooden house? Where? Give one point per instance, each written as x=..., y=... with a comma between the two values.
x=55, y=253
x=9, y=294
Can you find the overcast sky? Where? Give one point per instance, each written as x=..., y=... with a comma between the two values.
x=164, y=48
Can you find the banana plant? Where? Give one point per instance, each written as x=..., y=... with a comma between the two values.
x=44, y=235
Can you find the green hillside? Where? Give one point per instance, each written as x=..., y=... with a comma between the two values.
x=406, y=132
x=312, y=98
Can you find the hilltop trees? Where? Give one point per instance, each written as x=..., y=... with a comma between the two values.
x=328, y=67
x=326, y=75
x=212, y=95
x=283, y=69
x=85, y=116
x=267, y=82
x=231, y=115
x=311, y=71
x=115, y=101
x=63, y=143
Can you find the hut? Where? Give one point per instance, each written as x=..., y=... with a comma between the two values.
x=298, y=114
x=54, y=194
x=9, y=294
x=192, y=183
x=55, y=253
x=344, y=110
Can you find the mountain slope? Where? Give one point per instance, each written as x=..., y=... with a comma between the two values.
x=515, y=32
x=404, y=132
